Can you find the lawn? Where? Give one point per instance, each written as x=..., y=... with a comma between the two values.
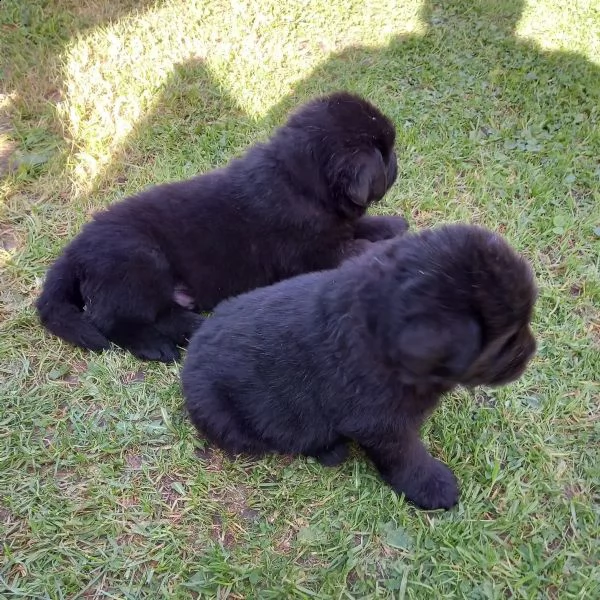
x=106, y=491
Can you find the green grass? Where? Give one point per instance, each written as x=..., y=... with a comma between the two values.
x=105, y=490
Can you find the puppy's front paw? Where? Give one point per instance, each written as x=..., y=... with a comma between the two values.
x=165, y=351
x=398, y=225
x=432, y=486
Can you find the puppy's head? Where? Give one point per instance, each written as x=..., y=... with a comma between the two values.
x=351, y=145
x=453, y=306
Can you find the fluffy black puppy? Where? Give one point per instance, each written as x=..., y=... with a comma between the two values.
x=364, y=352
x=292, y=205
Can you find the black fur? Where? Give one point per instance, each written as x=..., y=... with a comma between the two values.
x=364, y=352
x=293, y=205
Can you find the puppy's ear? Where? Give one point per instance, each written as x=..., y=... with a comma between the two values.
x=366, y=177
x=441, y=347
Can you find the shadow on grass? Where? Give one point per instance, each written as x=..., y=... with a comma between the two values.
x=491, y=128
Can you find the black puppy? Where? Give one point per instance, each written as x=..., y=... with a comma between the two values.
x=364, y=352
x=293, y=205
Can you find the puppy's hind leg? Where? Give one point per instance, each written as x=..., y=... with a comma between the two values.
x=144, y=340
x=128, y=301
x=133, y=329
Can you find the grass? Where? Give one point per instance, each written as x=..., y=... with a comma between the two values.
x=105, y=490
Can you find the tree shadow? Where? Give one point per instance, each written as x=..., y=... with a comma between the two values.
x=195, y=127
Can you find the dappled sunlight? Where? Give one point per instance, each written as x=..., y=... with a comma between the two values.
x=7, y=145
x=554, y=27
x=114, y=74
x=281, y=47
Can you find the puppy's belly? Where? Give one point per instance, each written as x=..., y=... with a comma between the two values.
x=183, y=297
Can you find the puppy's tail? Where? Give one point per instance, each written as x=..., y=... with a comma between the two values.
x=60, y=308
